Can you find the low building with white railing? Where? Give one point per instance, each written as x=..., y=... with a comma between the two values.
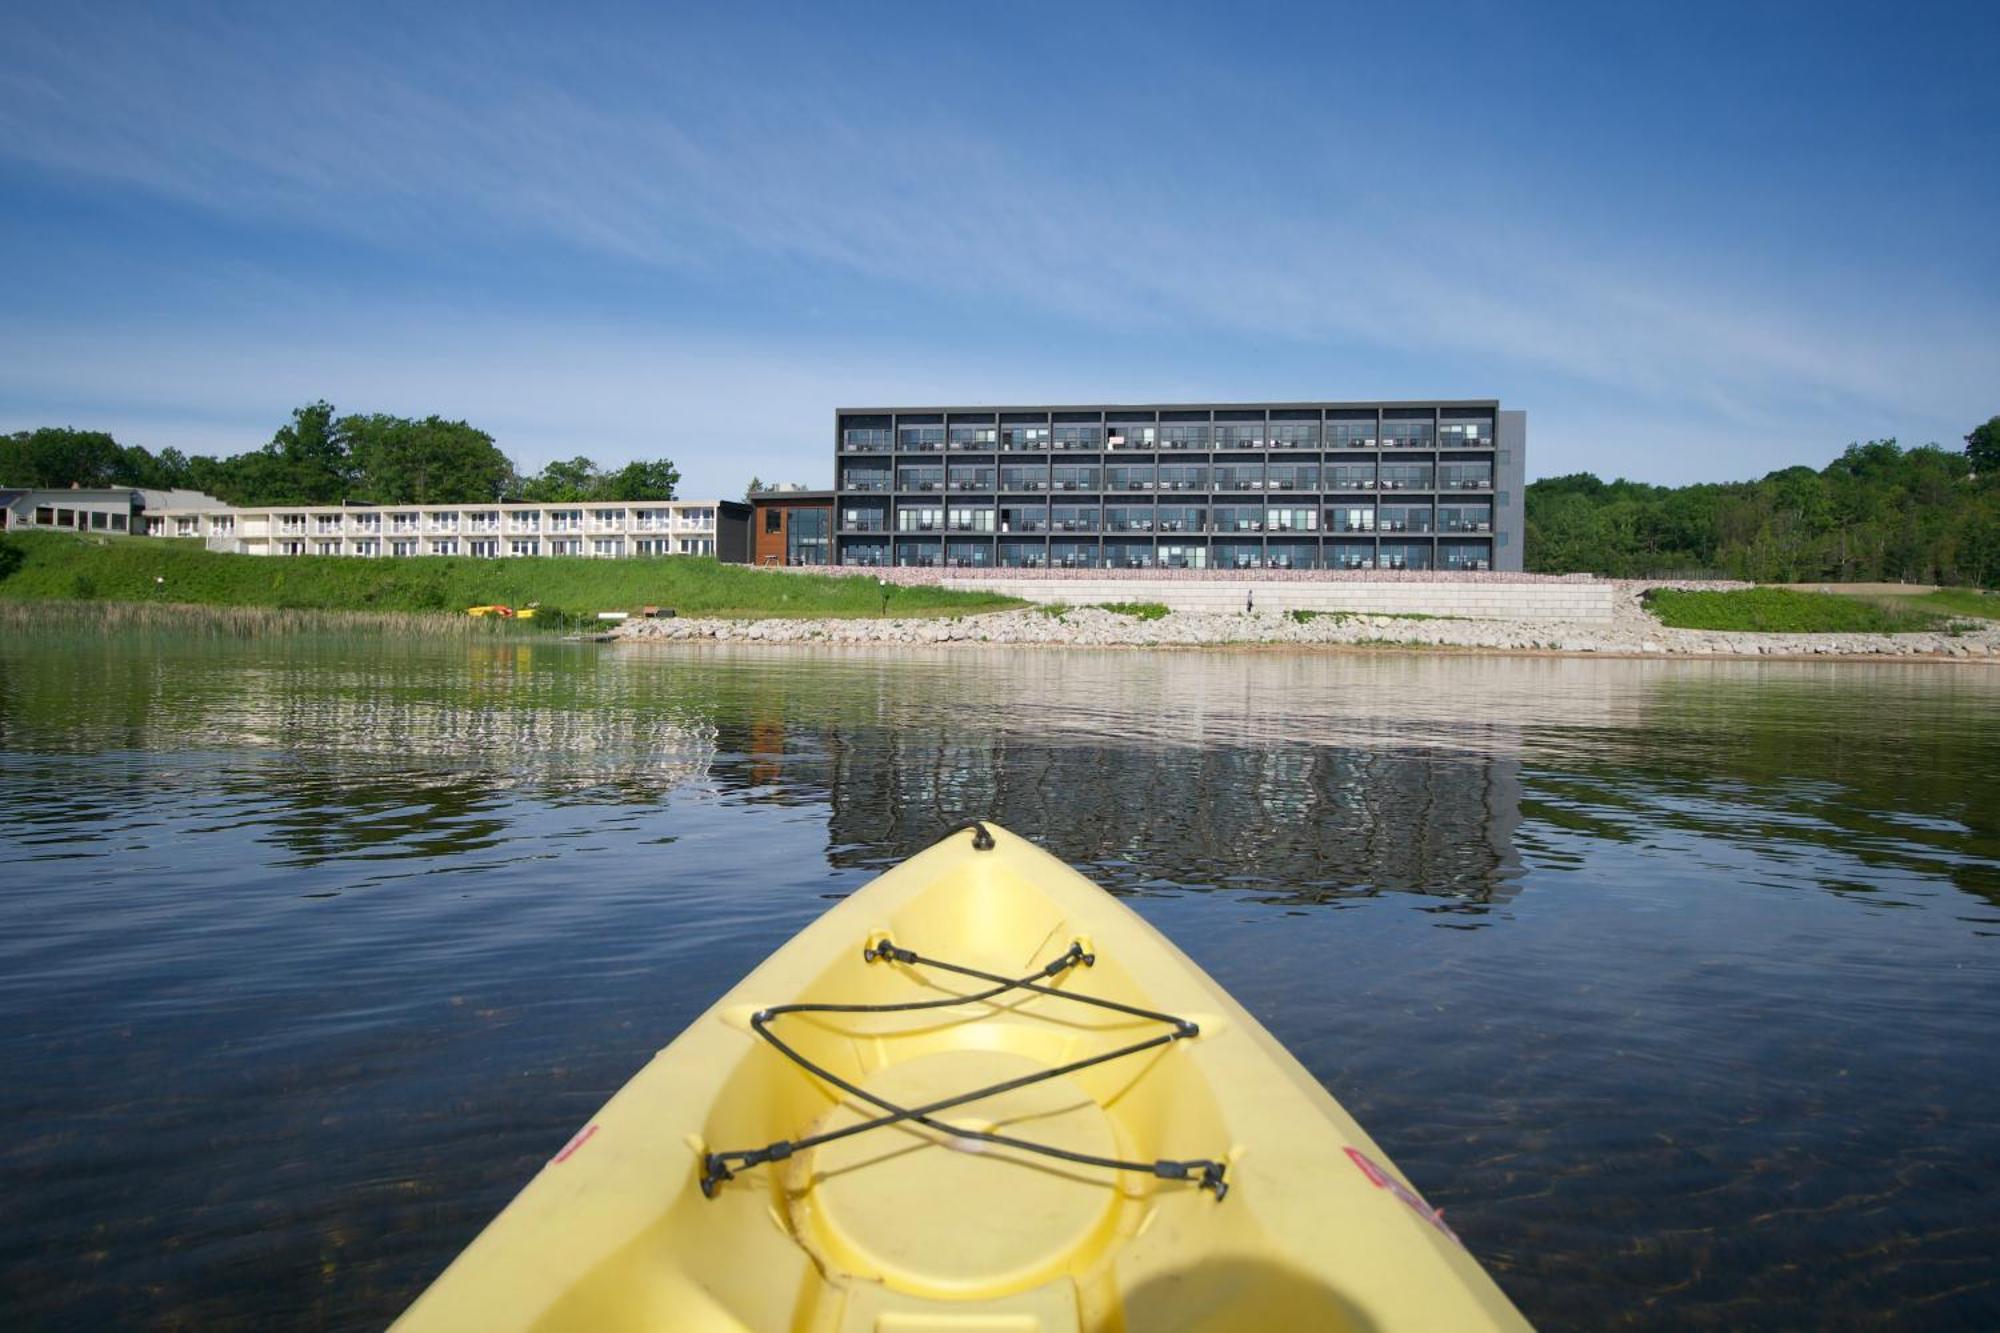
x=599, y=528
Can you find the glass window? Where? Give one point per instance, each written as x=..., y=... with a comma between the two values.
x=922, y=439
x=865, y=440
x=973, y=437
x=1404, y=518
x=968, y=555
x=1138, y=436
x=1239, y=555
x=971, y=477
x=865, y=554
x=1184, y=435
x=1074, y=555
x=1023, y=555
x=1466, y=433
x=1024, y=518
x=1292, y=555
x=1291, y=520
x=1350, y=434
x=1295, y=435
x=1019, y=438
x=1350, y=555
x=1351, y=518
x=1129, y=477
x=1239, y=518
x=1240, y=435
x=1408, y=434
x=919, y=518
x=774, y=520
x=1182, y=518
x=1128, y=518
x=1183, y=557
x=1073, y=518
x=1078, y=437
x=1183, y=477
x=1128, y=555
x=807, y=541
x=1466, y=555
x=1239, y=476
x=1024, y=477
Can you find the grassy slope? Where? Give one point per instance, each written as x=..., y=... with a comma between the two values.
x=1950, y=602
x=58, y=566
x=1782, y=610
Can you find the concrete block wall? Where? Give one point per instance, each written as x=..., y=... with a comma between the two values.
x=1583, y=603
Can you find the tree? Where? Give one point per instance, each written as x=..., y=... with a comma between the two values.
x=642, y=479
x=56, y=456
x=1982, y=447
x=433, y=461
x=306, y=462
x=750, y=491
x=568, y=479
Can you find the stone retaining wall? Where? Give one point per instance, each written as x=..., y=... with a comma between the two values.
x=1571, y=601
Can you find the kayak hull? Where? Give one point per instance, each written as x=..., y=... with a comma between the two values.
x=913, y=1226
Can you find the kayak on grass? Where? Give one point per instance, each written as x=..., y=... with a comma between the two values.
x=980, y=1093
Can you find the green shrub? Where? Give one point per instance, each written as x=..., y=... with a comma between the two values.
x=1783, y=611
x=1138, y=610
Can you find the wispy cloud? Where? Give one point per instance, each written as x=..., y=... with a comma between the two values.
x=410, y=152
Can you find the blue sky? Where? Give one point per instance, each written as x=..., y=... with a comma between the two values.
x=1693, y=242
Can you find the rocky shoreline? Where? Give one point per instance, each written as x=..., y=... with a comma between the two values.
x=1631, y=633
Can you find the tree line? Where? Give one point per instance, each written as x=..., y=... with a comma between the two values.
x=320, y=457
x=1879, y=512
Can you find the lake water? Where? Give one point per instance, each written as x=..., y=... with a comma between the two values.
x=1675, y=984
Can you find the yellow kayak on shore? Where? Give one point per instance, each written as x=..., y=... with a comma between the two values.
x=979, y=1095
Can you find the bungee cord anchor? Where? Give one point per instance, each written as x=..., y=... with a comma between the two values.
x=718, y=1167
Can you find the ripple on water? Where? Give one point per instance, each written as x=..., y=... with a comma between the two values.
x=1672, y=982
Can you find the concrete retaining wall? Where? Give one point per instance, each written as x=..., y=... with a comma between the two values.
x=1584, y=603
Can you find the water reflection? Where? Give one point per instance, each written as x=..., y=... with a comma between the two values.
x=1674, y=982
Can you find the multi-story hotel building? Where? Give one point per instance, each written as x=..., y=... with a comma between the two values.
x=608, y=529
x=1402, y=485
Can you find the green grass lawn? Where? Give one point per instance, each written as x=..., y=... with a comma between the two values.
x=48, y=566
x=1785, y=611
x=1948, y=601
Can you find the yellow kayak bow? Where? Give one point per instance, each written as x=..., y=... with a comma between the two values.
x=979, y=1095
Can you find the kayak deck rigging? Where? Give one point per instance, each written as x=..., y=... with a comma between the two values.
x=1208, y=1173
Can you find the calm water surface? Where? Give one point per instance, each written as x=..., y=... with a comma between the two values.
x=1676, y=984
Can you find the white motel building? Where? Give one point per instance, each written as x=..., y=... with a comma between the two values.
x=606, y=530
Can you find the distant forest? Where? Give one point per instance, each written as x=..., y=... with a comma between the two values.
x=1878, y=512
x=320, y=457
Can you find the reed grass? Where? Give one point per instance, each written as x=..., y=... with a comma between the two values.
x=242, y=622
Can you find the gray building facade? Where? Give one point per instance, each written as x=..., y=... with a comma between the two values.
x=1227, y=486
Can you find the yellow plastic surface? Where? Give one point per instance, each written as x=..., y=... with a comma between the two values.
x=905, y=1229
